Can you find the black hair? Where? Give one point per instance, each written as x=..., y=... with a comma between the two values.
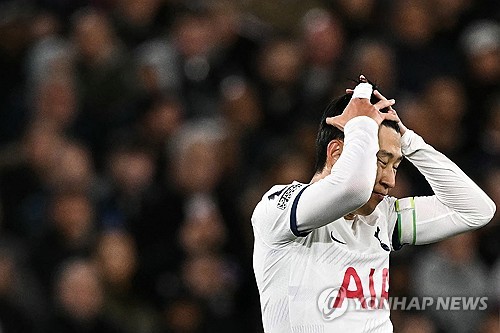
x=327, y=133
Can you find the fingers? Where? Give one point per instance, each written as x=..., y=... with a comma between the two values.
x=349, y=91
x=402, y=127
x=393, y=112
x=390, y=116
x=384, y=103
x=379, y=95
x=336, y=121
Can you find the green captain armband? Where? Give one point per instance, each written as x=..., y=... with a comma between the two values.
x=407, y=220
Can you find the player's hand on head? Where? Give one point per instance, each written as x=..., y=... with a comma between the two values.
x=360, y=105
x=391, y=114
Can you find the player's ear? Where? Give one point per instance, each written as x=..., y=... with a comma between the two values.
x=333, y=151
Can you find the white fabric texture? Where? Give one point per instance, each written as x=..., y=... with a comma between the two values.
x=458, y=205
x=350, y=183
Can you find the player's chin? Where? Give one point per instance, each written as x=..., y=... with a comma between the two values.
x=370, y=206
x=375, y=199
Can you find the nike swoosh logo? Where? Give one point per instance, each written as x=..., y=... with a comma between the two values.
x=335, y=239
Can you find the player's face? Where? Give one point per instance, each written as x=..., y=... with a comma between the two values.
x=388, y=158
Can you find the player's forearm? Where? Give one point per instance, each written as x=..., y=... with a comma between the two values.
x=424, y=220
x=452, y=187
x=350, y=183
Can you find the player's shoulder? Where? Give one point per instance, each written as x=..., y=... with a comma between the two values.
x=281, y=194
x=278, y=199
x=271, y=217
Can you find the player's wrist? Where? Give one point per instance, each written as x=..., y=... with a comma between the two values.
x=361, y=121
x=362, y=124
x=408, y=141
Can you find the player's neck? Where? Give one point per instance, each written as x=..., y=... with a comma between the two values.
x=350, y=216
x=315, y=178
x=320, y=175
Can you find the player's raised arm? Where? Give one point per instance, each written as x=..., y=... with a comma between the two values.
x=458, y=205
x=345, y=180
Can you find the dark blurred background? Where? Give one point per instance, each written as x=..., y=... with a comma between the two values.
x=136, y=137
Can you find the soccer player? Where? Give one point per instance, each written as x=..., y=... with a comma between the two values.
x=321, y=252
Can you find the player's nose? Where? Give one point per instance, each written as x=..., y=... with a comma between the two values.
x=388, y=178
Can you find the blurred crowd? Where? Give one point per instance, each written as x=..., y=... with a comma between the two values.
x=136, y=137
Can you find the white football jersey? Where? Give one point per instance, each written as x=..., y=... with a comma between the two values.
x=336, y=277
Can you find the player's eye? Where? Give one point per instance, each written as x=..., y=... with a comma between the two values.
x=383, y=163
